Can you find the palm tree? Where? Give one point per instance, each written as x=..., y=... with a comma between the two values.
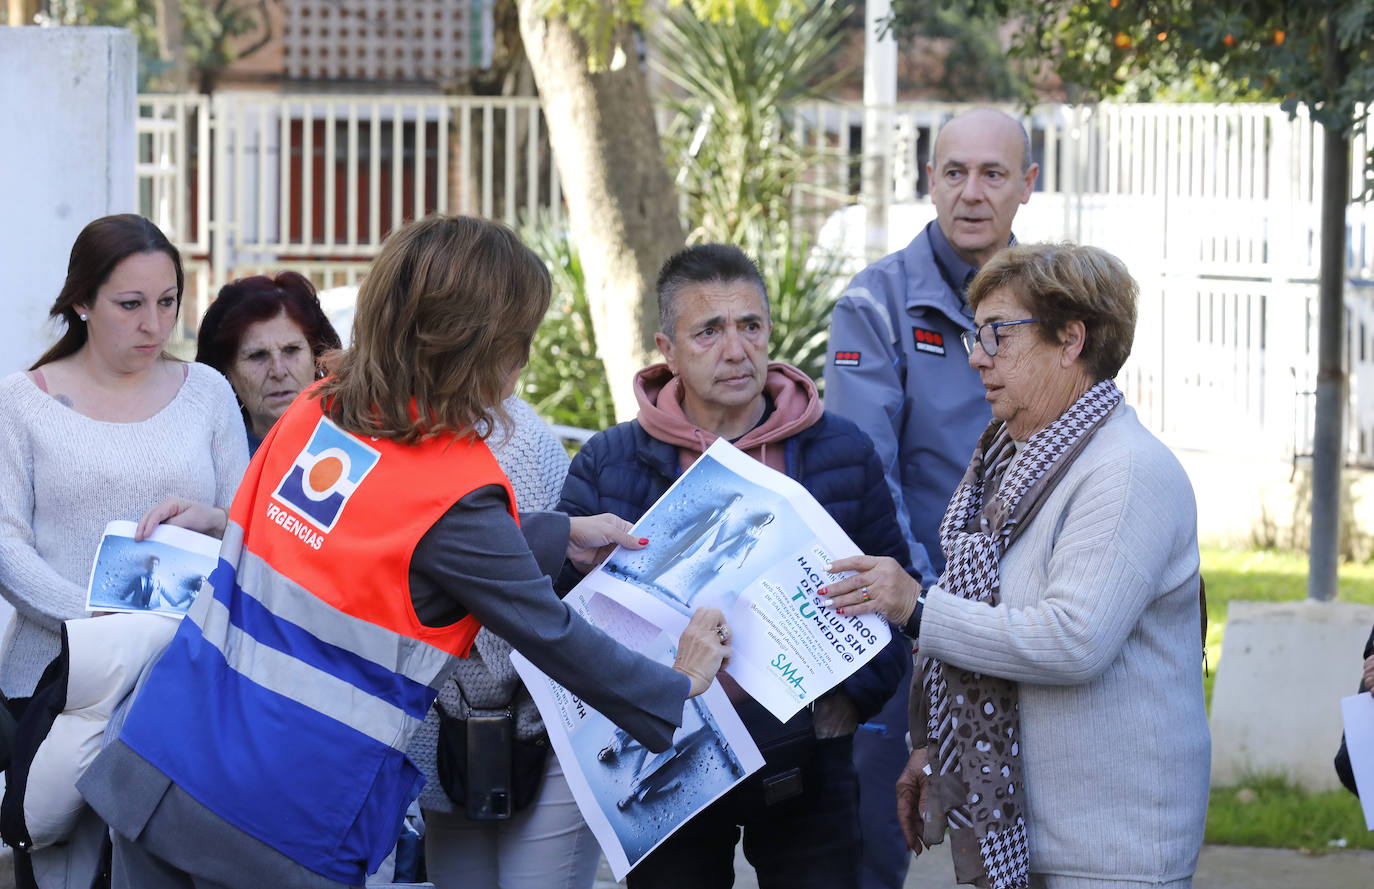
x=740, y=168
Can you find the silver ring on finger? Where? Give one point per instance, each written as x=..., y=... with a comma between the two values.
x=723, y=633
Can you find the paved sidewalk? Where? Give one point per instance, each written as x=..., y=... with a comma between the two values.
x=1221, y=867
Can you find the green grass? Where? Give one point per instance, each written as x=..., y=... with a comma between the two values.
x=1265, y=576
x=1279, y=815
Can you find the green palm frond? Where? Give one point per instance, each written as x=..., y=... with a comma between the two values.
x=564, y=379
x=739, y=163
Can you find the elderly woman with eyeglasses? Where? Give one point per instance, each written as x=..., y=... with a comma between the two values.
x=1058, y=720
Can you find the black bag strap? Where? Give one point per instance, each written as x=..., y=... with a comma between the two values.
x=444, y=712
x=49, y=699
x=8, y=724
x=1202, y=611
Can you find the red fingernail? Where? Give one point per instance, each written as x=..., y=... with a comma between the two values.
x=823, y=591
x=643, y=541
x=839, y=610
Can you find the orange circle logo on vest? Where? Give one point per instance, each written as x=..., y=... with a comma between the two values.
x=325, y=474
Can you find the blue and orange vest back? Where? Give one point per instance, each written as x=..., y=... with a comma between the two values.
x=287, y=697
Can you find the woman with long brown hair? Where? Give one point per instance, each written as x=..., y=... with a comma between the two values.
x=374, y=532
x=106, y=425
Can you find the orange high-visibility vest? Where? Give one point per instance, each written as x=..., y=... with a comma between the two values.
x=285, y=702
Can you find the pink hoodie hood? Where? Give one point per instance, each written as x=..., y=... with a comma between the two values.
x=796, y=407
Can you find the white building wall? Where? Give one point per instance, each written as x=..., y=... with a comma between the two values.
x=66, y=156
x=67, y=111
x=385, y=40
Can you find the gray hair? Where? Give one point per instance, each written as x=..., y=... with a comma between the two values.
x=701, y=264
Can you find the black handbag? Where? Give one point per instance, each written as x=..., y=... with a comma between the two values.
x=527, y=760
x=31, y=719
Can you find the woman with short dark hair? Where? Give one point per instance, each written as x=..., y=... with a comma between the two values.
x=373, y=532
x=105, y=425
x=1058, y=717
x=267, y=335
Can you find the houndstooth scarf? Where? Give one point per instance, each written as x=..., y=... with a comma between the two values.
x=973, y=722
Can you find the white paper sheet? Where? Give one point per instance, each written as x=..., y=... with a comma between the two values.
x=161, y=573
x=734, y=534
x=632, y=799
x=1358, y=713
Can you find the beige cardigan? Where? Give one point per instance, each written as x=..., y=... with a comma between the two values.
x=1099, y=624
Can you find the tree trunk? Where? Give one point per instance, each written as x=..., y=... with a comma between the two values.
x=508, y=75
x=621, y=202
x=1328, y=439
x=171, y=46
x=22, y=12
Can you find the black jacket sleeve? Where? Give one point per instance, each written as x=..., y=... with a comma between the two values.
x=579, y=498
x=1344, y=771
x=878, y=534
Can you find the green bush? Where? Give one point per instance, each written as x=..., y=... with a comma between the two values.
x=803, y=282
x=740, y=168
x=565, y=380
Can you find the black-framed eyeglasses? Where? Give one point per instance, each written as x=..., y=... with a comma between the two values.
x=986, y=335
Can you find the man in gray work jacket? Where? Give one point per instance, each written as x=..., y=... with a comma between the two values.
x=897, y=369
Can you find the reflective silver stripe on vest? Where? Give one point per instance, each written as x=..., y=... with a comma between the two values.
x=302, y=682
x=288, y=600
x=230, y=548
x=306, y=685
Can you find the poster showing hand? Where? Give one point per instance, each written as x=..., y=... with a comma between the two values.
x=632, y=798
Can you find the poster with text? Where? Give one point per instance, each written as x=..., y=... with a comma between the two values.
x=160, y=573
x=733, y=534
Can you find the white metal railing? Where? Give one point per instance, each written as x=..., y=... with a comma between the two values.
x=1226, y=187
x=1213, y=207
x=173, y=170
x=254, y=179
x=1110, y=162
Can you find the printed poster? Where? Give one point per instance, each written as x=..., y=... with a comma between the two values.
x=734, y=534
x=161, y=573
x=631, y=798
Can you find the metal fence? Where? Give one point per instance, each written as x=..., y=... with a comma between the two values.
x=1213, y=207
x=252, y=182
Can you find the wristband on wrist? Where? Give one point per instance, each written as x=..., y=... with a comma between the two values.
x=912, y=627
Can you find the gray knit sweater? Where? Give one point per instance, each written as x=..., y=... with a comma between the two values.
x=536, y=464
x=1099, y=625
x=64, y=476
